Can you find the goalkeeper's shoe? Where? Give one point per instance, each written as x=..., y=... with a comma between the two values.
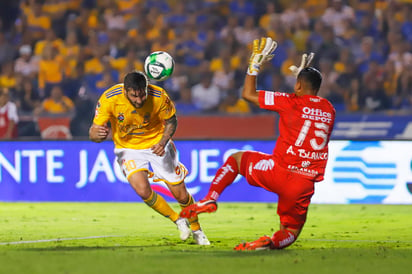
x=263, y=243
x=183, y=226
x=200, y=237
x=199, y=207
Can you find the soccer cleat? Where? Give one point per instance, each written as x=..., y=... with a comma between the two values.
x=200, y=237
x=199, y=207
x=263, y=243
x=183, y=226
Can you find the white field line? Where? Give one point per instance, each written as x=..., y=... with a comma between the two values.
x=58, y=240
x=356, y=241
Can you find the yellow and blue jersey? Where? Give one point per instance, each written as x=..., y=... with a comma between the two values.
x=135, y=128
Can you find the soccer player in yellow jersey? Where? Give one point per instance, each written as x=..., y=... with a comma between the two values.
x=143, y=121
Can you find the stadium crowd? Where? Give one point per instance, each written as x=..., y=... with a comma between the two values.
x=58, y=56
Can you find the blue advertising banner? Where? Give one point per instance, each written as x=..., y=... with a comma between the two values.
x=372, y=127
x=357, y=172
x=85, y=171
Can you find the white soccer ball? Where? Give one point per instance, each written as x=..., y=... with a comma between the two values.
x=159, y=65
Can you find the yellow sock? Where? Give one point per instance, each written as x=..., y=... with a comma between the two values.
x=159, y=204
x=194, y=221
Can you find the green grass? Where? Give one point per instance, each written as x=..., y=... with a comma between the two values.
x=335, y=239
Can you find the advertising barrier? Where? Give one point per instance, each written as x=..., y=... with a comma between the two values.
x=357, y=172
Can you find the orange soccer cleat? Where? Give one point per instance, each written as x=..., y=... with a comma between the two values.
x=199, y=207
x=263, y=243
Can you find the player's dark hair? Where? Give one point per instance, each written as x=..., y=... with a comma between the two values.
x=135, y=80
x=311, y=76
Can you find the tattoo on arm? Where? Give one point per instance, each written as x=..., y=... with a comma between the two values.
x=170, y=128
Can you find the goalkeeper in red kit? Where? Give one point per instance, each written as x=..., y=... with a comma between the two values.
x=299, y=158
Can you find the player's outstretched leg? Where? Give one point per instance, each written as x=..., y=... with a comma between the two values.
x=280, y=239
x=200, y=207
x=263, y=243
x=225, y=175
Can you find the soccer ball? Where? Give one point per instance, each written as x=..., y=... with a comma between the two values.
x=159, y=65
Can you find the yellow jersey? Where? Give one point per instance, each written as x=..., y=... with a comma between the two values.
x=135, y=128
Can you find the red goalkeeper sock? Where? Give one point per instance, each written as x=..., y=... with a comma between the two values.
x=224, y=177
x=283, y=238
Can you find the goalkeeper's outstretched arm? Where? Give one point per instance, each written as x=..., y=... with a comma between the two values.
x=262, y=52
x=249, y=90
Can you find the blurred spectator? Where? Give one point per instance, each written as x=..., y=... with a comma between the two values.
x=188, y=50
x=284, y=44
x=403, y=99
x=224, y=78
x=50, y=40
x=294, y=16
x=328, y=88
x=27, y=98
x=51, y=68
x=329, y=47
x=7, y=76
x=271, y=11
x=184, y=105
x=8, y=116
x=7, y=51
x=367, y=55
x=37, y=21
x=348, y=83
x=114, y=17
x=56, y=103
x=177, y=82
x=246, y=33
x=406, y=27
x=233, y=104
x=26, y=65
x=336, y=14
x=205, y=95
x=242, y=8
x=373, y=96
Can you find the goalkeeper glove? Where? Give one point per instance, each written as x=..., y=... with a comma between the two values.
x=262, y=52
x=306, y=59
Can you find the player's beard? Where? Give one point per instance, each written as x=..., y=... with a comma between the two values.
x=136, y=105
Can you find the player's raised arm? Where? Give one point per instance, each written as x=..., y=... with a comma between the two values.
x=262, y=52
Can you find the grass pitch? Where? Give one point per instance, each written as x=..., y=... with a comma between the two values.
x=132, y=238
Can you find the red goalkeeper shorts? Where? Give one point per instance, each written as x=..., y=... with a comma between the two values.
x=294, y=191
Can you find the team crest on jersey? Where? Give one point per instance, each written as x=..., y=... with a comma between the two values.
x=120, y=117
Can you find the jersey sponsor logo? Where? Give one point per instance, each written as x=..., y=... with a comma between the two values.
x=316, y=114
x=264, y=165
x=305, y=163
x=316, y=100
x=225, y=169
x=303, y=170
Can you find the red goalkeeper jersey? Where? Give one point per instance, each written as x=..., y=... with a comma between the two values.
x=305, y=126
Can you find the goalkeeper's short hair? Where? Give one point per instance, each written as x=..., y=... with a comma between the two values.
x=311, y=76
